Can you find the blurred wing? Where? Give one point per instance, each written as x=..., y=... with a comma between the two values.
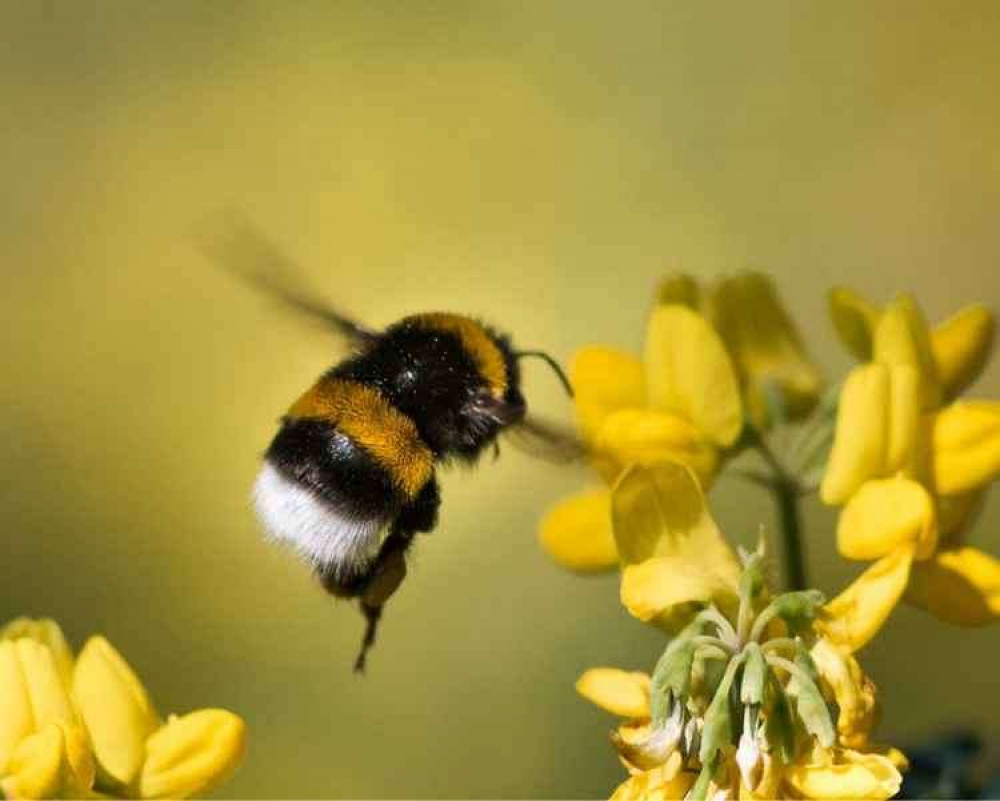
x=546, y=440
x=235, y=242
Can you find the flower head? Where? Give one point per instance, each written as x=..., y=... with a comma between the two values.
x=713, y=356
x=681, y=402
x=753, y=703
x=69, y=729
x=910, y=463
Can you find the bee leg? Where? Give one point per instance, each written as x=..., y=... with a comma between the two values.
x=387, y=575
x=420, y=515
x=390, y=565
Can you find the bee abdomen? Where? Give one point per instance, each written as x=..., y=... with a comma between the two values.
x=339, y=471
x=327, y=498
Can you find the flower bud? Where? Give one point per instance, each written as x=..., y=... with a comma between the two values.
x=55, y=762
x=748, y=753
x=16, y=719
x=48, y=633
x=116, y=711
x=190, y=755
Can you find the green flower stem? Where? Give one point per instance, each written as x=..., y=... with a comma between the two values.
x=786, y=490
x=786, y=495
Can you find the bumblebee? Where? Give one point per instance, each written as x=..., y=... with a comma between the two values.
x=350, y=477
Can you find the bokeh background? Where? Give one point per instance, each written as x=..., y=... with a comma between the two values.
x=537, y=163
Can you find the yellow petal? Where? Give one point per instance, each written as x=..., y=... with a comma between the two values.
x=191, y=755
x=48, y=633
x=885, y=515
x=959, y=586
x=851, y=619
x=853, y=691
x=643, y=436
x=50, y=703
x=903, y=338
x=659, y=784
x=661, y=511
x=36, y=766
x=669, y=590
x=853, y=775
x=53, y=763
x=765, y=345
x=16, y=718
x=679, y=289
x=961, y=347
x=80, y=768
x=861, y=439
x=689, y=373
x=966, y=446
x=116, y=711
x=577, y=534
x=903, y=421
x=604, y=381
x=854, y=320
x=621, y=692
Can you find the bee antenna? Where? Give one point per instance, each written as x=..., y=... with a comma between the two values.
x=541, y=354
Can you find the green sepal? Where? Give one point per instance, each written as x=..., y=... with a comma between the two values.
x=672, y=674
x=802, y=605
x=779, y=726
x=754, y=676
x=718, y=719
x=805, y=662
x=811, y=707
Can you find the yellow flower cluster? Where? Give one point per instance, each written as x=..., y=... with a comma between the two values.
x=86, y=728
x=910, y=464
x=802, y=724
x=711, y=357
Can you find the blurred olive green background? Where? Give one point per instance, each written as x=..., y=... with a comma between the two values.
x=540, y=164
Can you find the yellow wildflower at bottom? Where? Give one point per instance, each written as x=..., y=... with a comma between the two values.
x=86, y=728
x=751, y=698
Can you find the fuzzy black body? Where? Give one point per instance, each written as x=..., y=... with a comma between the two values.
x=349, y=478
x=427, y=372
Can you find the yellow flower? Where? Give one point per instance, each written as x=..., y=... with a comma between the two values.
x=55, y=762
x=910, y=464
x=43, y=750
x=71, y=729
x=138, y=756
x=116, y=710
x=680, y=403
x=761, y=338
x=806, y=707
x=665, y=766
x=675, y=560
x=192, y=754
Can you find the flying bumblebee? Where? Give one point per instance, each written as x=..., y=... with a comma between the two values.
x=350, y=477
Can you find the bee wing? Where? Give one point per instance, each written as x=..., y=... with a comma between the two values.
x=544, y=439
x=232, y=240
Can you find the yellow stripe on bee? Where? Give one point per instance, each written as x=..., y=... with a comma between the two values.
x=487, y=357
x=361, y=413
